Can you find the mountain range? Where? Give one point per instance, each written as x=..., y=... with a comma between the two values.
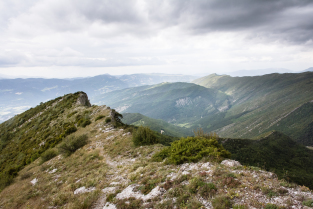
x=17, y=95
x=237, y=107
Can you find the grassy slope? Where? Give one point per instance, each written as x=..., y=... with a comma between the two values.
x=270, y=102
x=173, y=102
x=26, y=136
x=157, y=125
x=275, y=152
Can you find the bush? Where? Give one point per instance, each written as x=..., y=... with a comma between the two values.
x=192, y=149
x=47, y=155
x=144, y=136
x=71, y=144
x=107, y=120
x=221, y=202
x=84, y=122
x=99, y=117
x=71, y=114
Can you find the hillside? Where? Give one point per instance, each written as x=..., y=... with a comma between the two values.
x=280, y=102
x=275, y=152
x=96, y=165
x=235, y=107
x=177, y=103
x=157, y=125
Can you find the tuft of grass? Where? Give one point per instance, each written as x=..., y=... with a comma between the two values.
x=308, y=203
x=26, y=175
x=99, y=117
x=271, y=206
x=48, y=155
x=221, y=202
x=71, y=144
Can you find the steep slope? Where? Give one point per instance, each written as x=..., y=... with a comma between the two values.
x=270, y=102
x=275, y=152
x=178, y=103
x=157, y=125
x=26, y=136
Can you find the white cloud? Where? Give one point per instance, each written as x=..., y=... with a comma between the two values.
x=43, y=38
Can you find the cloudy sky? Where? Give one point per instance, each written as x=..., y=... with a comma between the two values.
x=73, y=38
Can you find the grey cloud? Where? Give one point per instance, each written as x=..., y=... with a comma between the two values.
x=286, y=20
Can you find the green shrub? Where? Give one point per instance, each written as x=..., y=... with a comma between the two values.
x=308, y=203
x=83, y=122
x=47, y=155
x=99, y=117
x=160, y=156
x=144, y=136
x=71, y=114
x=107, y=120
x=192, y=149
x=221, y=202
x=207, y=190
x=70, y=130
x=71, y=144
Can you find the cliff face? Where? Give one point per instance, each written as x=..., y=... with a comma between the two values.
x=83, y=100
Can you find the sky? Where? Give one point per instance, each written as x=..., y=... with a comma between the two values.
x=78, y=38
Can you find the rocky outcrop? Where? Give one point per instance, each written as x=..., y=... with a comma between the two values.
x=83, y=100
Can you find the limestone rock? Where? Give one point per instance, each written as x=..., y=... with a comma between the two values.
x=83, y=100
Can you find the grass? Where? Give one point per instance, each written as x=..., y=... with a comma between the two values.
x=71, y=144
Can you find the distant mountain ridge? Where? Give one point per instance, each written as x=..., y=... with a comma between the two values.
x=237, y=107
x=16, y=95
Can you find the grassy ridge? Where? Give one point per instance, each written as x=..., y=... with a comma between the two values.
x=26, y=136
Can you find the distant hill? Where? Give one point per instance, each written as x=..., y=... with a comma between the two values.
x=237, y=107
x=178, y=103
x=17, y=95
x=280, y=102
x=157, y=125
x=258, y=72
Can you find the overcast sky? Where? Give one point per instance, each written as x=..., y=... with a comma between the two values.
x=74, y=38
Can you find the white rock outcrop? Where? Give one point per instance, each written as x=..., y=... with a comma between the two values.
x=82, y=190
x=230, y=163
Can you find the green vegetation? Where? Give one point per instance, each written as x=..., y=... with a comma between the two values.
x=144, y=136
x=25, y=137
x=71, y=144
x=48, y=154
x=157, y=125
x=235, y=107
x=308, y=203
x=275, y=152
x=99, y=117
x=107, y=120
x=192, y=149
x=221, y=202
x=271, y=206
